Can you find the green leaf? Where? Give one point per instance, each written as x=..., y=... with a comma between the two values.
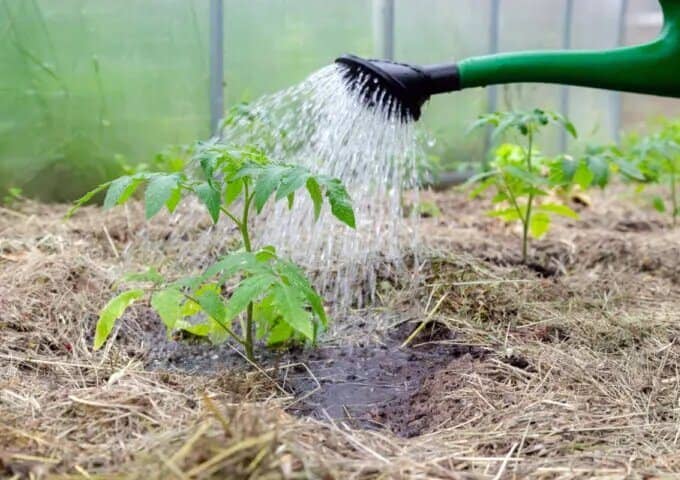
x=111, y=312
x=266, y=253
x=583, y=176
x=168, y=305
x=230, y=264
x=557, y=209
x=210, y=198
x=539, y=224
x=292, y=310
x=86, y=198
x=211, y=303
x=280, y=333
x=316, y=195
x=506, y=214
x=159, y=192
x=190, y=307
x=116, y=190
x=199, y=329
x=600, y=168
x=659, y=204
x=341, y=203
x=569, y=127
x=174, y=199
x=524, y=176
x=267, y=183
x=297, y=279
x=294, y=179
x=248, y=291
x=232, y=191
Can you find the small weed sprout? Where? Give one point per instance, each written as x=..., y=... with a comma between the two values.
x=517, y=173
x=272, y=297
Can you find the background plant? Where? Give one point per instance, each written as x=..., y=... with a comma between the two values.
x=269, y=296
x=517, y=173
x=657, y=158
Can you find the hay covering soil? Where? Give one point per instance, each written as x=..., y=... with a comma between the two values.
x=581, y=378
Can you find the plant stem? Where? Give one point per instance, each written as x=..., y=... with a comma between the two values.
x=248, y=247
x=527, y=218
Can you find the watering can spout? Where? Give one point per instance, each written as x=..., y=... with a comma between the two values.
x=652, y=68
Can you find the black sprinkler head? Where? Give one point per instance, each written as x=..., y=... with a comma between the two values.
x=410, y=86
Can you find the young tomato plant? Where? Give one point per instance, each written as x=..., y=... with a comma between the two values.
x=517, y=173
x=269, y=296
x=658, y=158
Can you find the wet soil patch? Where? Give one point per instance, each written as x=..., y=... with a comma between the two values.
x=367, y=385
x=374, y=386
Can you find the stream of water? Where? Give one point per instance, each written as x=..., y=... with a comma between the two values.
x=322, y=124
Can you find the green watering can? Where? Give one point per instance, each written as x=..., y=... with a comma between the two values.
x=653, y=68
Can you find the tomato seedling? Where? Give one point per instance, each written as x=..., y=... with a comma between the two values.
x=517, y=173
x=657, y=156
x=270, y=295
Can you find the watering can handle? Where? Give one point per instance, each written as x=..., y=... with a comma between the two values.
x=652, y=68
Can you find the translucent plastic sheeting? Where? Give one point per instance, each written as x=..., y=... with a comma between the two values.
x=437, y=31
x=87, y=85
x=272, y=44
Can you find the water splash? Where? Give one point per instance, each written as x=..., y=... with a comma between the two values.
x=322, y=124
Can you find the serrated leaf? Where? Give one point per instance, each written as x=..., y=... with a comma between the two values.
x=292, y=310
x=267, y=182
x=294, y=179
x=248, y=291
x=86, y=198
x=159, y=192
x=228, y=265
x=539, y=224
x=296, y=278
x=316, y=195
x=341, y=203
x=168, y=305
x=232, y=191
x=111, y=312
x=116, y=190
x=557, y=209
x=212, y=304
x=210, y=198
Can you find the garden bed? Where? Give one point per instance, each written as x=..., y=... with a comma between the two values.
x=565, y=368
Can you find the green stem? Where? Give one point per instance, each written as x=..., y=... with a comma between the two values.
x=527, y=218
x=231, y=216
x=245, y=233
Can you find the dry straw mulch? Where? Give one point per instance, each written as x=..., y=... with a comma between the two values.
x=582, y=379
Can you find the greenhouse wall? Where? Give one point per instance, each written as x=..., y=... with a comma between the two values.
x=88, y=87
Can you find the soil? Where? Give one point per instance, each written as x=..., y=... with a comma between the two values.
x=563, y=368
x=367, y=385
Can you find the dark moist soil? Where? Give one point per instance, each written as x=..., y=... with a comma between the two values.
x=371, y=385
